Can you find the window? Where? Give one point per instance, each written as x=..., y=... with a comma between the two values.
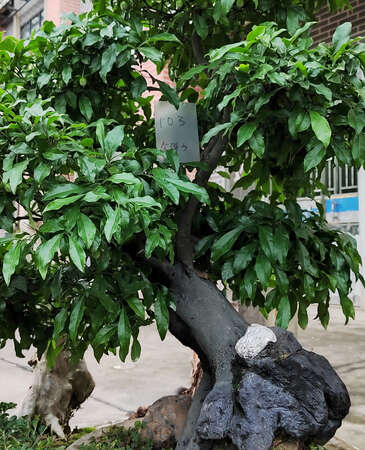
x=33, y=24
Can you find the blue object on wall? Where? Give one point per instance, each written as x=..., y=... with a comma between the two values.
x=339, y=205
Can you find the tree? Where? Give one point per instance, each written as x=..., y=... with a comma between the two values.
x=118, y=236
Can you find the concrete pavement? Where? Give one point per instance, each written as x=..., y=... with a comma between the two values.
x=344, y=347
x=166, y=366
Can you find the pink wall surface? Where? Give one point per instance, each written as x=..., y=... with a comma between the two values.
x=54, y=9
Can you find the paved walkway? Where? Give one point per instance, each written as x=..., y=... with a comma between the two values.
x=344, y=347
x=165, y=366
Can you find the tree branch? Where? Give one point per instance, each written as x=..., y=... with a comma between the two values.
x=35, y=218
x=211, y=156
x=197, y=49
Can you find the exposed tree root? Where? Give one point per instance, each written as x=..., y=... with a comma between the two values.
x=57, y=392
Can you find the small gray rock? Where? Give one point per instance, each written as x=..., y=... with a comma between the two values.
x=254, y=341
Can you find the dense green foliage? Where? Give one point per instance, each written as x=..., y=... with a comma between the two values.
x=25, y=434
x=119, y=438
x=21, y=433
x=97, y=200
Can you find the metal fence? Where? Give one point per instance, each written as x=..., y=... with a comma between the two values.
x=340, y=180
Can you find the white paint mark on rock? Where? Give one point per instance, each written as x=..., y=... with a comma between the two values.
x=254, y=341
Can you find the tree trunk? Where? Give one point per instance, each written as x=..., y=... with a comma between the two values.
x=56, y=393
x=255, y=389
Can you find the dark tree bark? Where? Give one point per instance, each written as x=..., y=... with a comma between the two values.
x=247, y=401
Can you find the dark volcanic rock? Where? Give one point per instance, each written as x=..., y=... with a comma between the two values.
x=284, y=390
x=216, y=413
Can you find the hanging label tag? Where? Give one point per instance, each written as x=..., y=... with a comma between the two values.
x=177, y=129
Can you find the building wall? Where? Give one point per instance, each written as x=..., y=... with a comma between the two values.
x=85, y=5
x=27, y=10
x=327, y=23
x=55, y=9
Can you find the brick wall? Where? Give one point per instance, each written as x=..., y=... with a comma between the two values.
x=327, y=23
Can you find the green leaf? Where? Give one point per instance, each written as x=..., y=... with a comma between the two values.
x=113, y=140
x=10, y=262
x=52, y=226
x=43, y=79
x=167, y=37
x=243, y=257
x=356, y=120
x=86, y=229
x=138, y=86
x=225, y=243
x=302, y=121
x=227, y=270
x=320, y=127
x=214, y=131
x=63, y=190
x=257, y=143
x=90, y=39
x=226, y=5
x=9, y=44
x=281, y=243
x=245, y=132
x=228, y=98
x=191, y=188
x=112, y=223
x=85, y=107
x=314, y=157
x=136, y=350
x=173, y=159
x=100, y=132
x=125, y=178
x=161, y=315
x=124, y=334
x=170, y=191
x=41, y=172
x=103, y=335
x=77, y=253
x=15, y=175
x=299, y=32
x=267, y=241
x=145, y=202
x=75, y=318
x=52, y=352
x=66, y=74
x=358, y=148
x=46, y=251
x=341, y=36
x=347, y=307
x=152, y=241
x=201, y=26
x=284, y=313
x=59, y=323
x=321, y=89
x=59, y=203
x=107, y=61
x=203, y=245
x=249, y=282
x=169, y=93
x=219, y=52
x=151, y=53
x=192, y=72
x=263, y=269
x=90, y=167
x=282, y=280
x=302, y=316
x=137, y=306
x=256, y=31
